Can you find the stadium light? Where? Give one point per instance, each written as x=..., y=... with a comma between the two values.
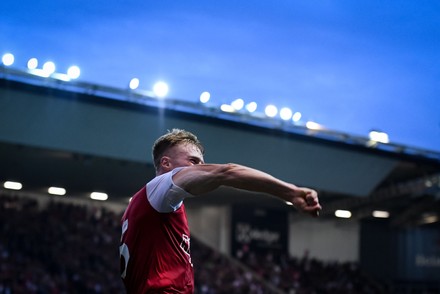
x=12, y=185
x=429, y=218
x=160, y=89
x=313, y=126
x=285, y=113
x=205, y=96
x=49, y=68
x=98, y=196
x=8, y=59
x=32, y=63
x=251, y=107
x=134, y=83
x=237, y=104
x=227, y=108
x=380, y=137
x=296, y=116
x=381, y=214
x=342, y=213
x=56, y=191
x=271, y=110
x=73, y=72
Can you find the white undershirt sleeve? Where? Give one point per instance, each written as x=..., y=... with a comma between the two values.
x=163, y=194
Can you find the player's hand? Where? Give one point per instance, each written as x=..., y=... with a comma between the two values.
x=306, y=200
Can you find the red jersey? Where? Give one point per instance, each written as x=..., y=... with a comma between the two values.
x=154, y=252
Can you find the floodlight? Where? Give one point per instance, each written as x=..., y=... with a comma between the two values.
x=99, y=196
x=73, y=72
x=205, y=96
x=381, y=214
x=160, y=89
x=49, y=68
x=313, y=126
x=32, y=63
x=343, y=213
x=296, y=116
x=56, y=191
x=227, y=108
x=237, y=104
x=271, y=110
x=134, y=83
x=8, y=59
x=251, y=107
x=379, y=137
x=285, y=113
x=429, y=218
x=12, y=185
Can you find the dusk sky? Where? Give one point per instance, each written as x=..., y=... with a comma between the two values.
x=352, y=66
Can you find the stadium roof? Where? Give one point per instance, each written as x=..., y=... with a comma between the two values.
x=350, y=173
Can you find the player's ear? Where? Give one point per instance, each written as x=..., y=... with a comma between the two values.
x=165, y=162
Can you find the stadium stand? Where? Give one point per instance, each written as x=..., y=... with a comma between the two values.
x=61, y=247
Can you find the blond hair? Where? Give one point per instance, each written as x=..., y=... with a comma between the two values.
x=173, y=138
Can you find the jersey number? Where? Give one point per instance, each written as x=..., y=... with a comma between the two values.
x=124, y=253
x=124, y=256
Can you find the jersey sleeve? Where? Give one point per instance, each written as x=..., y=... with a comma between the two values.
x=163, y=195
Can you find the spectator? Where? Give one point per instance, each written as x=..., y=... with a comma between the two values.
x=66, y=248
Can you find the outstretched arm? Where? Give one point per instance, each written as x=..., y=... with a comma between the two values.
x=203, y=178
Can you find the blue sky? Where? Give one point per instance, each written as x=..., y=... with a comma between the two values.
x=352, y=66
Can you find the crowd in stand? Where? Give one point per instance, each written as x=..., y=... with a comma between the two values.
x=69, y=248
x=308, y=275
x=63, y=248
